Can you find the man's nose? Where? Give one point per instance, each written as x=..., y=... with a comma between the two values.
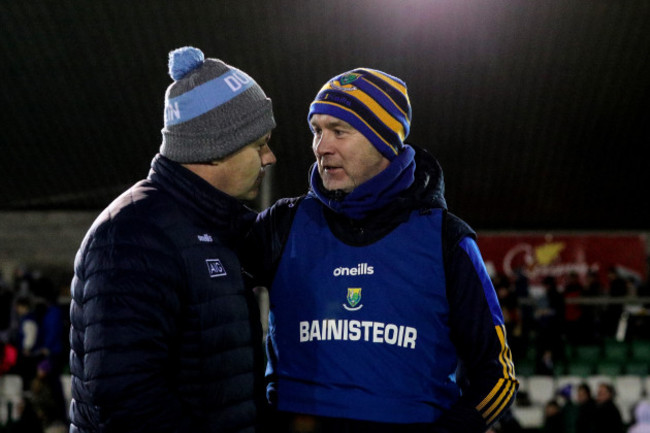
x=323, y=144
x=268, y=157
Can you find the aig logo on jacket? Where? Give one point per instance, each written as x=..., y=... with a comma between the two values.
x=215, y=268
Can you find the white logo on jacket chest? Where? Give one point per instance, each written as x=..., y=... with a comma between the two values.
x=215, y=268
x=205, y=238
x=360, y=269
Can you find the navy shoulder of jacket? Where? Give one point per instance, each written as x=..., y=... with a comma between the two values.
x=264, y=243
x=454, y=230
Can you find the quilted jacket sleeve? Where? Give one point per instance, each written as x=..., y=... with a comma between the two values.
x=263, y=245
x=125, y=301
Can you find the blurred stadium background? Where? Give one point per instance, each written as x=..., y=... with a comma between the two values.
x=537, y=110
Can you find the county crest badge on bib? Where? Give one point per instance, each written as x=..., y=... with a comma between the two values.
x=353, y=298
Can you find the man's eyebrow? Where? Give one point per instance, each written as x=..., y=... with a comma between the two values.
x=337, y=123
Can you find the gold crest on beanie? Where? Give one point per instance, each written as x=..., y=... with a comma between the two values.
x=373, y=102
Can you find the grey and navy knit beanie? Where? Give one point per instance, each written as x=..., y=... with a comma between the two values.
x=212, y=109
x=373, y=102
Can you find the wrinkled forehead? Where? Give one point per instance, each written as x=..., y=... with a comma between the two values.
x=328, y=121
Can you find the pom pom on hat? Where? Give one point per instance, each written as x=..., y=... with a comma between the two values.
x=183, y=61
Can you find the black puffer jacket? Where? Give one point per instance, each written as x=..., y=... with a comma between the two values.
x=164, y=336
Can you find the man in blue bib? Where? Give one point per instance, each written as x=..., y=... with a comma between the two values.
x=382, y=315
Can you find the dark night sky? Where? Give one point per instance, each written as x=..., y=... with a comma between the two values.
x=537, y=110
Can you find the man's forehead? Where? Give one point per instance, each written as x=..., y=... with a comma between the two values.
x=264, y=138
x=325, y=120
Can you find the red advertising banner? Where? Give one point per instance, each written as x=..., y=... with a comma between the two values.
x=541, y=255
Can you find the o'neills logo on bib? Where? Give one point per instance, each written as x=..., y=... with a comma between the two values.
x=361, y=269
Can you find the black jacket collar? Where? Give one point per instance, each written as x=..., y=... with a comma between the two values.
x=225, y=213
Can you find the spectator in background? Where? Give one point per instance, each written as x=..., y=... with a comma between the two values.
x=553, y=418
x=593, y=286
x=607, y=416
x=44, y=398
x=549, y=321
x=641, y=322
x=25, y=339
x=586, y=409
x=50, y=340
x=6, y=307
x=589, y=322
x=573, y=290
x=641, y=418
x=617, y=285
x=644, y=289
x=616, y=289
x=545, y=364
x=51, y=332
x=569, y=407
x=522, y=292
x=511, y=315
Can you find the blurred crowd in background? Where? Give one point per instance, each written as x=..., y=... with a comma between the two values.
x=546, y=324
x=583, y=334
x=34, y=346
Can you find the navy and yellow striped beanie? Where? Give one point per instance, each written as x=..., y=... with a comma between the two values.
x=373, y=102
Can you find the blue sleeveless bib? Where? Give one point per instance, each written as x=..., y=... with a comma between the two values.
x=361, y=332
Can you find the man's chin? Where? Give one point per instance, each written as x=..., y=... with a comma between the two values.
x=250, y=195
x=331, y=183
x=337, y=186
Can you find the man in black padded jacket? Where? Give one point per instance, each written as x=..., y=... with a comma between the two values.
x=164, y=336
